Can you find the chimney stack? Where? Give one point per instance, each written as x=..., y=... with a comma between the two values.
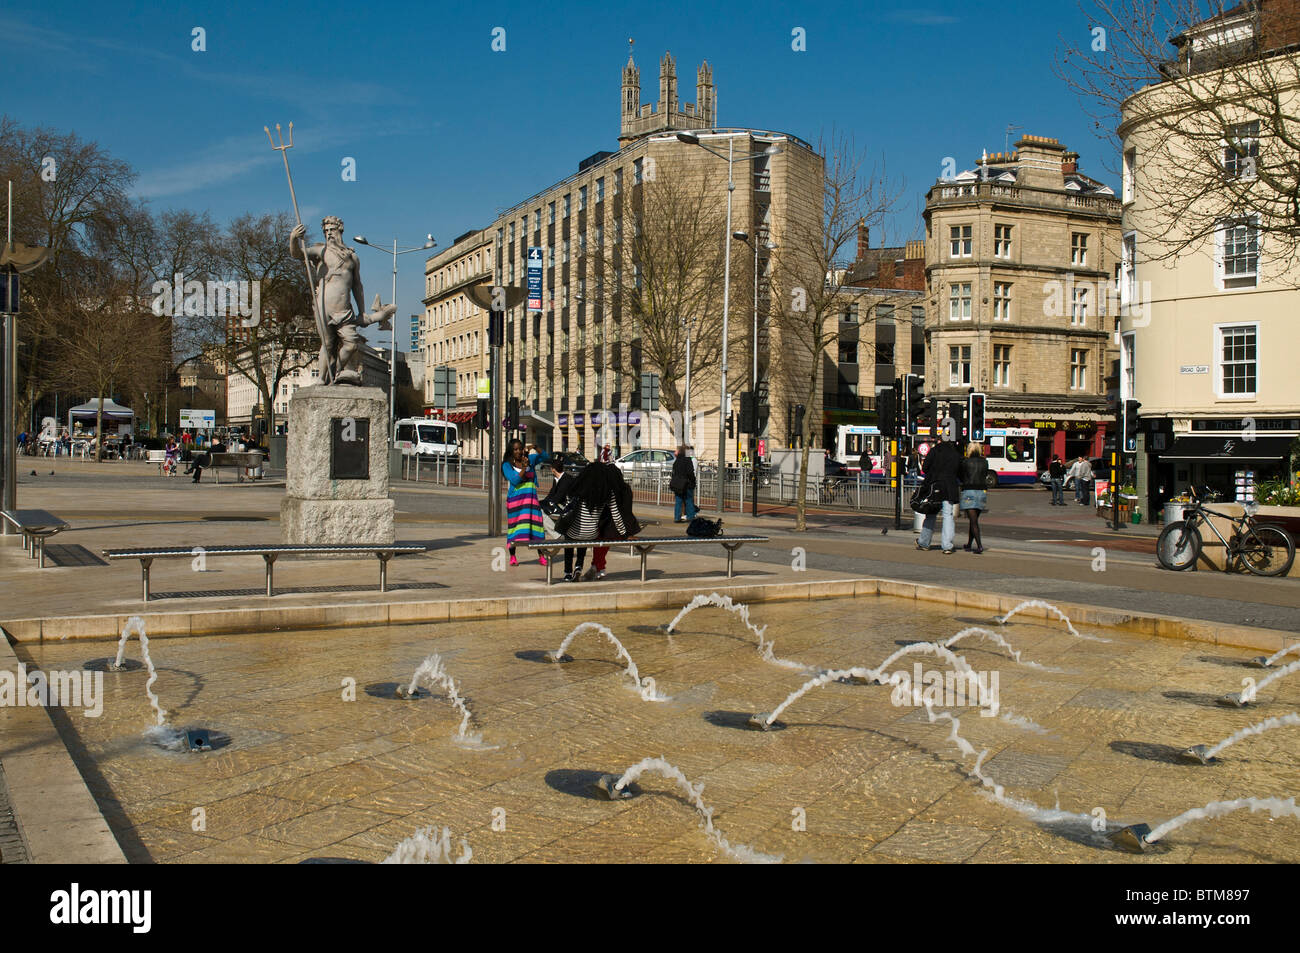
x=864, y=238
x=1070, y=163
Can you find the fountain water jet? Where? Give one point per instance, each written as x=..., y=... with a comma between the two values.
x=645, y=686
x=612, y=788
x=1138, y=837
x=1040, y=604
x=427, y=847
x=136, y=624
x=1248, y=694
x=435, y=675
x=990, y=635
x=765, y=647
x=1204, y=754
x=1267, y=662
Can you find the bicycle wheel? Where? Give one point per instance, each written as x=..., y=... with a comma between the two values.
x=1267, y=551
x=1179, y=546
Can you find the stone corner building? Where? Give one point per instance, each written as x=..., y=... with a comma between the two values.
x=580, y=357
x=1021, y=255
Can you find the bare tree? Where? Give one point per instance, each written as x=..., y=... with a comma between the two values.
x=667, y=269
x=1212, y=88
x=810, y=280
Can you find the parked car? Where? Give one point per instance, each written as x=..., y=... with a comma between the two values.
x=645, y=461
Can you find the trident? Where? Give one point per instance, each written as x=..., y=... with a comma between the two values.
x=327, y=372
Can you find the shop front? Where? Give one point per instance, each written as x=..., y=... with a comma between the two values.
x=1231, y=465
x=1066, y=439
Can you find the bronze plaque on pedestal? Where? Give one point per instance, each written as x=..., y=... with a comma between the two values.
x=349, y=448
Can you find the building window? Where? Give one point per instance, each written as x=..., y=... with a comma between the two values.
x=1241, y=150
x=960, y=241
x=1002, y=365
x=1128, y=358
x=550, y=214
x=959, y=302
x=1079, y=306
x=636, y=172
x=1237, y=360
x=537, y=220
x=1130, y=174
x=848, y=352
x=618, y=181
x=1239, y=253
x=618, y=230
x=566, y=250
x=959, y=364
x=1128, y=271
x=1079, y=248
x=1078, y=369
x=1001, y=301
x=600, y=237
x=566, y=206
x=582, y=198
x=1002, y=241
x=600, y=191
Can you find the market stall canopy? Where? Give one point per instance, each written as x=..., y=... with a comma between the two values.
x=1228, y=449
x=112, y=411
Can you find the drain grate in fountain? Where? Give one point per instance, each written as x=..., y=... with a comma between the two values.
x=13, y=849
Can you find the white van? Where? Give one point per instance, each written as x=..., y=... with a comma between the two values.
x=426, y=436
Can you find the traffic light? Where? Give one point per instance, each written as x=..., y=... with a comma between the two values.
x=760, y=421
x=512, y=414
x=886, y=411
x=731, y=425
x=913, y=398
x=975, y=416
x=1130, y=429
x=481, y=414
x=747, y=422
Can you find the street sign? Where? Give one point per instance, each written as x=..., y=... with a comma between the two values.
x=535, y=262
x=484, y=388
x=198, y=419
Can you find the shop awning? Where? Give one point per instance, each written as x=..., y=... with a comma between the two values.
x=1228, y=449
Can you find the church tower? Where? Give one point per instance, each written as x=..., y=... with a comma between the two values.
x=706, y=103
x=669, y=114
x=631, y=92
x=667, y=86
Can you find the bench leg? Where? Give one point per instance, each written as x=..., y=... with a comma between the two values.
x=270, y=573
x=644, y=551
x=550, y=565
x=731, y=556
x=40, y=544
x=144, y=575
x=383, y=570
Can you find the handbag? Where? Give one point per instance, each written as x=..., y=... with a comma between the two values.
x=704, y=528
x=563, y=514
x=927, y=499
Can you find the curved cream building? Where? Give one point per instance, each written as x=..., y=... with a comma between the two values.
x=1209, y=298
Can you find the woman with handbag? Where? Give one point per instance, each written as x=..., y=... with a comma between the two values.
x=941, y=481
x=974, y=497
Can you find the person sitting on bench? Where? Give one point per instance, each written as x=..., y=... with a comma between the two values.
x=604, y=511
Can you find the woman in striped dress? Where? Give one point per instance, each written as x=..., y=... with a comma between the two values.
x=523, y=511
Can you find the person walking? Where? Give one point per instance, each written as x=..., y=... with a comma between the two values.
x=940, y=468
x=1056, y=475
x=974, y=472
x=1083, y=481
x=523, y=510
x=682, y=483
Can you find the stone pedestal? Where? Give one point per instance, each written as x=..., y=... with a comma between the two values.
x=337, y=482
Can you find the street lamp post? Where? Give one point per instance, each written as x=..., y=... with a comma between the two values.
x=753, y=387
x=731, y=158
x=689, y=325
x=392, y=355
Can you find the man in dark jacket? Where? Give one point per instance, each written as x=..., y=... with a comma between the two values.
x=682, y=484
x=1056, y=474
x=940, y=469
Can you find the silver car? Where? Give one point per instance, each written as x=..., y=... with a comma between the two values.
x=641, y=461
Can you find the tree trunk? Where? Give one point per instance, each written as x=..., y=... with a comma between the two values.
x=99, y=428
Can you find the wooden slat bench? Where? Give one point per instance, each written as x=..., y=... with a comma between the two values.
x=36, y=526
x=268, y=553
x=643, y=546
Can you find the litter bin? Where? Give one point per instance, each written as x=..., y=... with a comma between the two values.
x=1173, y=512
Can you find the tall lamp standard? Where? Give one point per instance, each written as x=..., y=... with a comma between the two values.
x=392, y=355
x=731, y=158
x=688, y=324
x=753, y=387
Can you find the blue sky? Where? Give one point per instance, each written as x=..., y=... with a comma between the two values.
x=445, y=131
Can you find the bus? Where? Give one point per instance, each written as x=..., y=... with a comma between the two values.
x=426, y=436
x=1010, y=451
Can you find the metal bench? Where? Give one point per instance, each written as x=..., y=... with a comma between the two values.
x=249, y=459
x=36, y=526
x=268, y=553
x=643, y=547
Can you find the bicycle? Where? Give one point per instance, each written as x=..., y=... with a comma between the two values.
x=1265, y=550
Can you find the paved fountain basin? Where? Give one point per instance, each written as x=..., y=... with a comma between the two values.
x=308, y=774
